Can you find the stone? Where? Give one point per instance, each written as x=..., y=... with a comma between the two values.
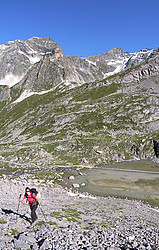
x=18, y=244
x=35, y=246
x=131, y=238
x=83, y=184
x=75, y=185
x=46, y=245
x=71, y=177
x=28, y=239
x=2, y=244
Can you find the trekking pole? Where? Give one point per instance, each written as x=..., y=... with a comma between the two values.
x=43, y=214
x=18, y=205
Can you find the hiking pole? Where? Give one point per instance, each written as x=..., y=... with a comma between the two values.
x=43, y=214
x=18, y=205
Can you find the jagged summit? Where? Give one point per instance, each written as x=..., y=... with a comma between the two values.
x=43, y=46
x=17, y=57
x=18, y=60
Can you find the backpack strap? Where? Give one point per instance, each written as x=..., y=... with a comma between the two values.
x=35, y=201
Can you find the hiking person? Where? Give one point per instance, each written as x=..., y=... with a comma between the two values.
x=33, y=202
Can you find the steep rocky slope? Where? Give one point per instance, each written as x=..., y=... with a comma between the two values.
x=74, y=221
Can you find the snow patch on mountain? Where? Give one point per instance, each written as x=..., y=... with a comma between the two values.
x=32, y=58
x=27, y=94
x=10, y=80
x=3, y=46
x=118, y=64
x=121, y=63
x=138, y=57
x=90, y=62
x=142, y=53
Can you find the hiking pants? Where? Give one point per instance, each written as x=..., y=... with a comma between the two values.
x=33, y=213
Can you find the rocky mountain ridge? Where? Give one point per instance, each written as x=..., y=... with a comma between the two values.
x=39, y=64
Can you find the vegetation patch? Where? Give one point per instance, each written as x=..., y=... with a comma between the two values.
x=47, y=176
x=2, y=221
x=56, y=215
x=152, y=200
x=97, y=93
x=40, y=223
x=14, y=231
x=149, y=184
x=52, y=223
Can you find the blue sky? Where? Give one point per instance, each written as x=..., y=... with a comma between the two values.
x=83, y=27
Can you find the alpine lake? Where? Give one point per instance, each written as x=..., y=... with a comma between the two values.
x=133, y=180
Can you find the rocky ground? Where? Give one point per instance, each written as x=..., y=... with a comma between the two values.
x=70, y=220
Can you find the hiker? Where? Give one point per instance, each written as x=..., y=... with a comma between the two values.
x=33, y=202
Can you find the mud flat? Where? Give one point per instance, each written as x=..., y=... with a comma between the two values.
x=135, y=180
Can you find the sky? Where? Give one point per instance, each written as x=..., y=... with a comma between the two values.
x=83, y=27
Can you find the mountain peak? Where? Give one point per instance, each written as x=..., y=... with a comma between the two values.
x=18, y=59
x=117, y=49
x=42, y=45
x=116, y=52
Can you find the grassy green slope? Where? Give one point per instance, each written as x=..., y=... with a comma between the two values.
x=87, y=125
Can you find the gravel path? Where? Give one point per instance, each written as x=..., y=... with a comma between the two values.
x=74, y=221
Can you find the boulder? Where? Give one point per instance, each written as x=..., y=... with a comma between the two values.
x=71, y=177
x=75, y=185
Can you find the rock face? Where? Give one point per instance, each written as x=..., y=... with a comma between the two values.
x=16, y=57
